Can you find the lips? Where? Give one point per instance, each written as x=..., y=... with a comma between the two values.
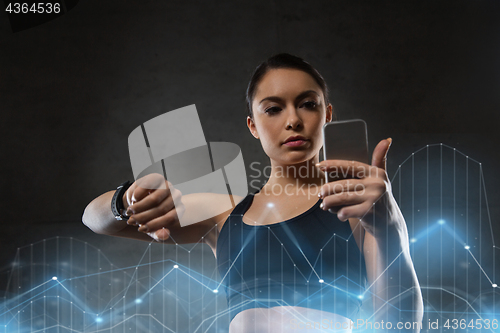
x=295, y=141
x=295, y=138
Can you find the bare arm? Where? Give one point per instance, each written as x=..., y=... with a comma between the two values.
x=392, y=280
x=367, y=197
x=99, y=218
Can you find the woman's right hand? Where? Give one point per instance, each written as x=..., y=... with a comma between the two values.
x=150, y=204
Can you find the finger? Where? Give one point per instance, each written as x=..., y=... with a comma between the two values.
x=379, y=156
x=150, y=214
x=162, y=234
x=139, y=193
x=153, y=181
x=331, y=164
x=164, y=221
x=343, y=199
x=159, y=235
x=339, y=186
x=334, y=210
x=132, y=221
x=356, y=211
x=148, y=184
x=151, y=201
x=129, y=192
x=341, y=169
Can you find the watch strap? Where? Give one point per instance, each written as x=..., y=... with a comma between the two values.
x=117, y=202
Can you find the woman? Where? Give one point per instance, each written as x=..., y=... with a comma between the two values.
x=274, y=233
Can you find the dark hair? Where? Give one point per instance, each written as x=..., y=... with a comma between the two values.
x=282, y=60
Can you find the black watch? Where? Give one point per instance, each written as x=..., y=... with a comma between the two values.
x=117, y=202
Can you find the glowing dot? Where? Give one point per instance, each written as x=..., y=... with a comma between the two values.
x=441, y=221
x=361, y=297
x=270, y=205
x=138, y=301
x=98, y=320
x=321, y=280
x=215, y=291
x=54, y=278
x=467, y=247
x=176, y=266
x=494, y=285
x=413, y=240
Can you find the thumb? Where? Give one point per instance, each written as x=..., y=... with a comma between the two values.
x=379, y=156
x=160, y=235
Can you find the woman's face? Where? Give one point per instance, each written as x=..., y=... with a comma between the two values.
x=289, y=105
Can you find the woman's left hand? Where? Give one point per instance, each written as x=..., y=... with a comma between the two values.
x=363, y=193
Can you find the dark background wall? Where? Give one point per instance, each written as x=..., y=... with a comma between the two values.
x=72, y=90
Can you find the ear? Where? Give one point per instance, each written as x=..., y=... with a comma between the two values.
x=252, y=128
x=329, y=113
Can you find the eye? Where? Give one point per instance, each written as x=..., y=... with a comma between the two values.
x=310, y=104
x=272, y=110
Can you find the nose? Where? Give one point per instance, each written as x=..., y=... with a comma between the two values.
x=293, y=121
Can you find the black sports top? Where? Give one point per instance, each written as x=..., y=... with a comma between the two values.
x=310, y=261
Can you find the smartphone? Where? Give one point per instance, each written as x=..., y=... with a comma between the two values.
x=345, y=140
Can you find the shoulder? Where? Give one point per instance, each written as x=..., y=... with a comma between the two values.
x=212, y=206
x=221, y=218
x=220, y=215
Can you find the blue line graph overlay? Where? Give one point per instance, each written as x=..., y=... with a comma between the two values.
x=65, y=285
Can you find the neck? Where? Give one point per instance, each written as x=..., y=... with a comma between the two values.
x=295, y=178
